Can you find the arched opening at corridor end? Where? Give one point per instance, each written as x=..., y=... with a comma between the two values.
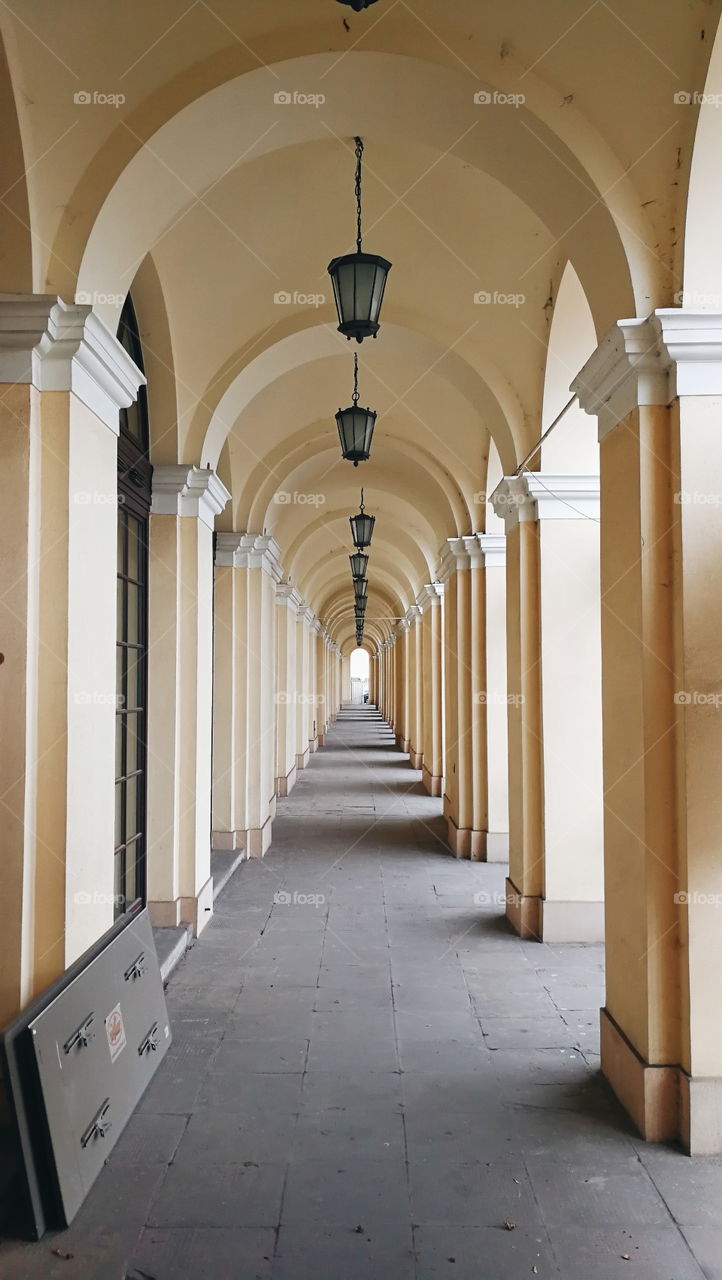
x=359, y=675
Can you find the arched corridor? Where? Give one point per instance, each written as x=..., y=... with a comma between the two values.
x=371, y=1076
x=360, y=391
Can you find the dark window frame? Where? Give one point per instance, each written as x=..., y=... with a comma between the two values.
x=134, y=499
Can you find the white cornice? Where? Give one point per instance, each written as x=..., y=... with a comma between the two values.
x=537, y=495
x=564, y=497
x=460, y=553
x=180, y=490
x=513, y=502
x=249, y=551
x=493, y=549
x=430, y=595
x=672, y=353
x=288, y=596
x=60, y=346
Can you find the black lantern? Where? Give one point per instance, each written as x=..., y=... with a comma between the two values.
x=358, y=5
x=359, y=564
x=359, y=279
x=361, y=603
x=360, y=586
x=362, y=527
x=356, y=426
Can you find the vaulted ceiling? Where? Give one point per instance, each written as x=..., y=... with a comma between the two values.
x=219, y=203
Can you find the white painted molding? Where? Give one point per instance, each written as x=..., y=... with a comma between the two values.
x=564, y=497
x=307, y=616
x=288, y=596
x=430, y=596
x=537, y=495
x=413, y=613
x=250, y=551
x=60, y=346
x=180, y=490
x=513, y=502
x=674, y=352
x=493, y=549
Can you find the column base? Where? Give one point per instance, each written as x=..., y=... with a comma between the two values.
x=523, y=911
x=403, y=744
x=572, y=921
x=431, y=782
x=285, y=783
x=464, y=842
x=312, y=745
x=302, y=759
x=650, y=1095
x=416, y=759
x=258, y=839
x=322, y=739
x=497, y=846
x=665, y=1103
x=195, y=911
x=227, y=841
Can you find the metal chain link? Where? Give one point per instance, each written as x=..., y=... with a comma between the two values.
x=359, y=154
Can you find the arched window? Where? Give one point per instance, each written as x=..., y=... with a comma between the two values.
x=134, y=493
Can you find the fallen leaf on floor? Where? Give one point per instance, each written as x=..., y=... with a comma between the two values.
x=250, y=1164
x=510, y=1226
x=627, y=1257
x=359, y=1230
x=58, y=1253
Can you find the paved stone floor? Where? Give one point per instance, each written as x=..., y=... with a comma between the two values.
x=372, y=1079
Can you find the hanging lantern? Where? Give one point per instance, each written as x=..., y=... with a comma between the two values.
x=356, y=426
x=359, y=564
x=358, y=5
x=360, y=587
x=361, y=603
x=362, y=527
x=359, y=279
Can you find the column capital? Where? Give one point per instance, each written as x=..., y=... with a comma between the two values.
x=674, y=352
x=493, y=549
x=249, y=551
x=430, y=595
x=537, y=495
x=413, y=613
x=288, y=596
x=306, y=615
x=64, y=346
x=513, y=502
x=564, y=497
x=459, y=553
x=180, y=490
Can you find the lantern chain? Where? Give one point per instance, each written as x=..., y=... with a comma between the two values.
x=359, y=154
x=355, y=378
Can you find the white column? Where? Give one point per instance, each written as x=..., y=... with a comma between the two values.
x=493, y=549
x=289, y=602
x=185, y=503
x=656, y=388
x=254, y=559
x=556, y=887
x=432, y=768
x=65, y=377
